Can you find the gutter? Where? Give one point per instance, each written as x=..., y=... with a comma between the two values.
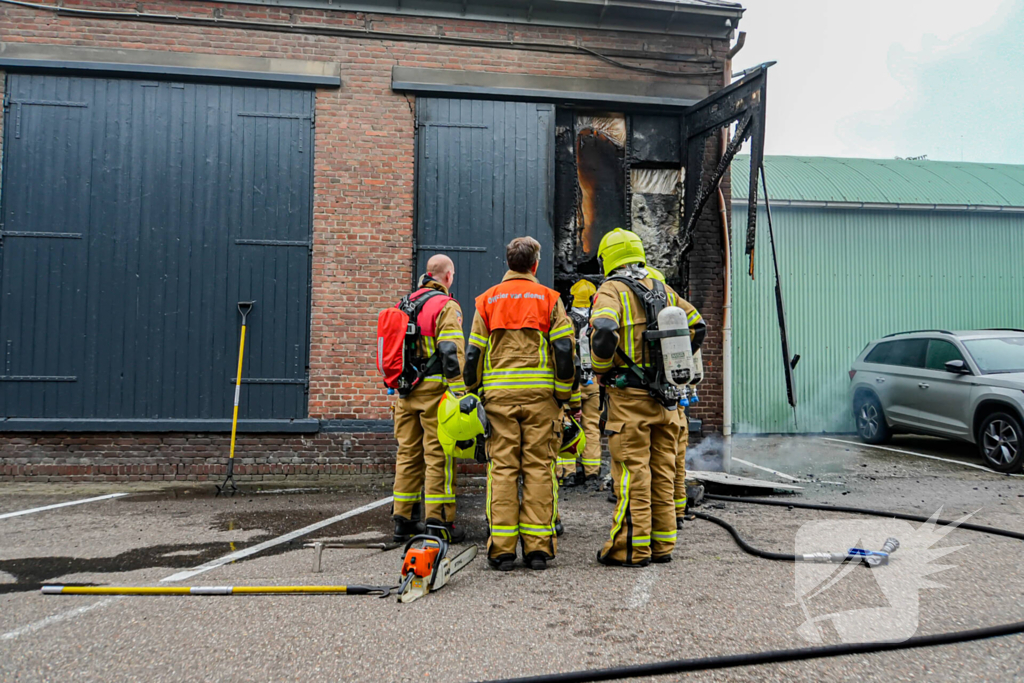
x=879, y=206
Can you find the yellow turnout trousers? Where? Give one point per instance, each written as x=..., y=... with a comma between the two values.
x=421, y=460
x=643, y=437
x=524, y=442
x=684, y=440
x=590, y=405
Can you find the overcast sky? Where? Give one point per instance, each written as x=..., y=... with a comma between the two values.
x=880, y=79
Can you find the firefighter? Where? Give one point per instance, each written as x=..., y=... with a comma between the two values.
x=590, y=397
x=697, y=326
x=644, y=423
x=520, y=353
x=421, y=466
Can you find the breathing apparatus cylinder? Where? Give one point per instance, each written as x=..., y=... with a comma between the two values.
x=698, y=376
x=583, y=344
x=676, y=353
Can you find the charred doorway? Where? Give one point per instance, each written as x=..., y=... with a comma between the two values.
x=616, y=170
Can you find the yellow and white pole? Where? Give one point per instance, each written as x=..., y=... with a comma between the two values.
x=214, y=590
x=244, y=307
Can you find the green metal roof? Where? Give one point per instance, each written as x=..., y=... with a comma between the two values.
x=901, y=184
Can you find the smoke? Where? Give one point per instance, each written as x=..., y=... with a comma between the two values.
x=707, y=456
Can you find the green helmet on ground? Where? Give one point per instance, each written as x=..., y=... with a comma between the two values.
x=462, y=426
x=618, y=248
x=574, y=441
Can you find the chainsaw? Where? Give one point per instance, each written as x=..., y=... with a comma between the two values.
x=427, y=567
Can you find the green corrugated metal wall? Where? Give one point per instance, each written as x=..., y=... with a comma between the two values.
x=850, y=276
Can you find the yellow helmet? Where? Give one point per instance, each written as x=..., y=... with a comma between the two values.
x=655, y=274
x=462, y=426
x=618, y=248
x=582, y=292
x=574, y=441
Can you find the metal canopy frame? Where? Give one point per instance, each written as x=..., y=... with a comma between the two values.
x=742, y=103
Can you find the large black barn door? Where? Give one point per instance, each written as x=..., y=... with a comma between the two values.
x=485, y=175
x=136, y=214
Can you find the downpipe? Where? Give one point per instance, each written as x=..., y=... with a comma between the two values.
x=723, y=215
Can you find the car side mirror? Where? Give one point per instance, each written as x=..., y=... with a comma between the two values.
x=958, y=367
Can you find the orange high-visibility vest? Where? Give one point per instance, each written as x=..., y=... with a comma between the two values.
x=517, y=305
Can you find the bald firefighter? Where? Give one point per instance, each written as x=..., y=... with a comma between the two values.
x=697, y=326
x=521, y=354
x=421, y=463
x=644, y=421
x=589, y=463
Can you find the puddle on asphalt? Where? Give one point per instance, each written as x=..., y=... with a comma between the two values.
x=31, y=573
x=278, y=522
x=209, y=491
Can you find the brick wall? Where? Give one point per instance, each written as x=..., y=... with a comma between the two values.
x=363, y=212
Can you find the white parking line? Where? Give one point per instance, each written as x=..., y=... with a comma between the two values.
x=56, y=618
x=642, y=589
x=766, y=469
x=921, y=455
x=213, y=564
x=786, y=476
x=61, y=505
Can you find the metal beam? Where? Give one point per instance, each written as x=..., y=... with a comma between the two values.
x=33, y=57
x=557, y=89
x=700, y=18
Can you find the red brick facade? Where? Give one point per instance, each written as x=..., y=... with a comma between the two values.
x=363, y=251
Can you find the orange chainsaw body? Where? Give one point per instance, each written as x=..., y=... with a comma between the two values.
x=420, y=561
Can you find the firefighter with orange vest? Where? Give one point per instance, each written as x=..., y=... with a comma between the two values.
x=589, y=396
x=421, y=467
x=644, y=421
x=520, y=353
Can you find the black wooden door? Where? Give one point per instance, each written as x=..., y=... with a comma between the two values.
x=136, y=214
x=485, y=175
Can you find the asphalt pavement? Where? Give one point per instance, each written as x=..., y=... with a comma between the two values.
x=713, y=599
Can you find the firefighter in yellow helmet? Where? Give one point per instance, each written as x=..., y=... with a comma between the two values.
x=589, y=464
x=679, y=497
x=643, y=422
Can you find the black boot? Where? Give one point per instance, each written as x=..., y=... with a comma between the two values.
x=559, y=529
x=608, y=562
x=406, y=529
x=662, y=559
x=446, y=530
x=537, y=561
x=503, y=563
x=679, y=522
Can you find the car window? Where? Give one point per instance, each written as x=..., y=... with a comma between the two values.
x=880, y=354
x=1002, y=354
x=907, y=352
x=941, y=352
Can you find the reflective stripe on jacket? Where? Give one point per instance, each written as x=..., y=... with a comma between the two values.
x=515, y=323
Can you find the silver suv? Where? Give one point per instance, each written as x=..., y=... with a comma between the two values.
x=962, y=385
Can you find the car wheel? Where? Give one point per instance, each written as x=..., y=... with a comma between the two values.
x=1000, y=440
x=871, y=424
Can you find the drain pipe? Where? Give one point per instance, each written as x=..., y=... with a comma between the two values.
x=723, y=215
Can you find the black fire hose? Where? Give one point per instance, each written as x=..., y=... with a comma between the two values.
x=995, y=531
x=793, y=655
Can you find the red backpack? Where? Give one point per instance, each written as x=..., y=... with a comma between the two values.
x=399, y=330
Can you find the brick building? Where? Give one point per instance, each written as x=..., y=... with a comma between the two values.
x=164, y=160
